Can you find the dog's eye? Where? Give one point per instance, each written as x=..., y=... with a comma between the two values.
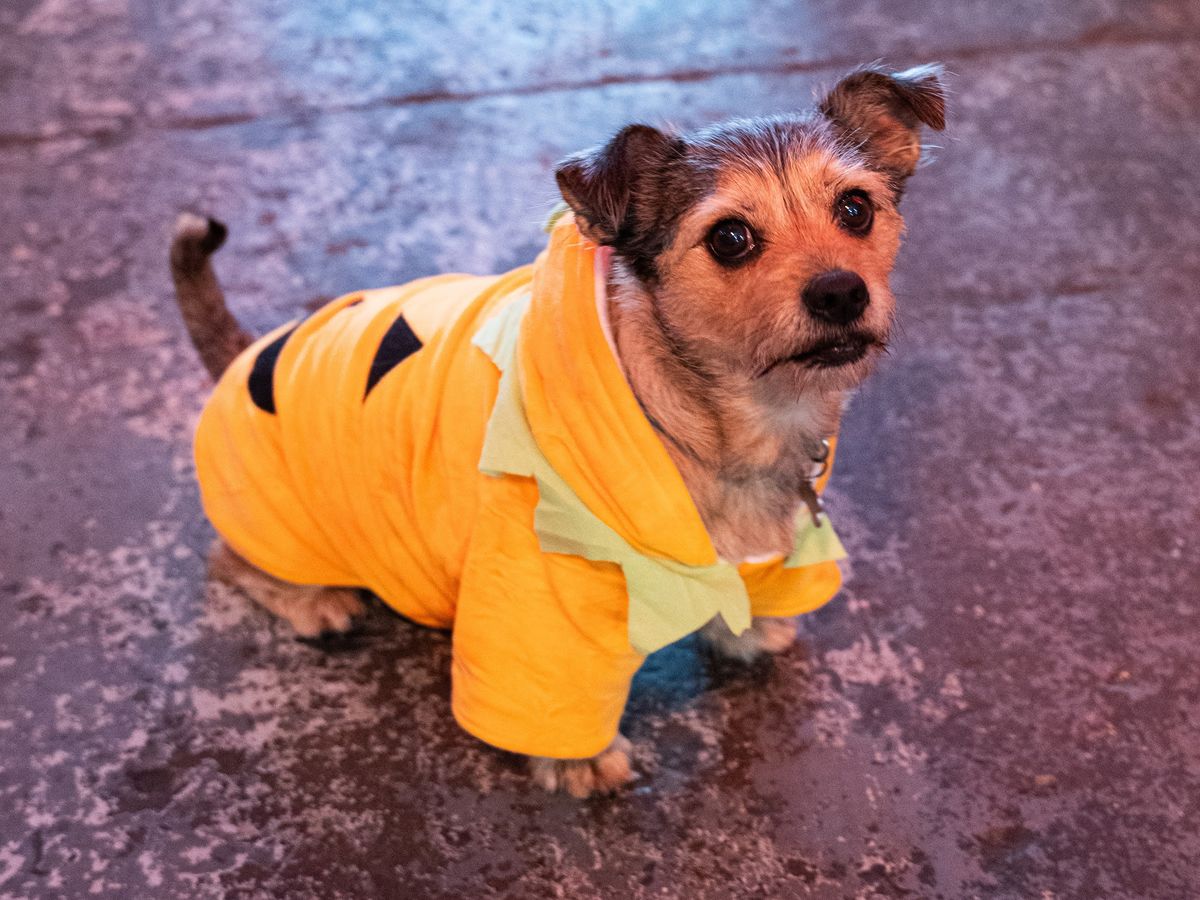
x=854, y=212
x=730, y=241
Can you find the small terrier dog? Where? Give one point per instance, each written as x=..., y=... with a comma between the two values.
x=574, y=463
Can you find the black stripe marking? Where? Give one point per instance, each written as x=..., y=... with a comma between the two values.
x=262, y=375
x=397, y=345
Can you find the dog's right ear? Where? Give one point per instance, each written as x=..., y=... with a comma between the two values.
x=882, y=113
x=601, y=185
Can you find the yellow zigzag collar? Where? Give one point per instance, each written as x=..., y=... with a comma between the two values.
x=667, y=599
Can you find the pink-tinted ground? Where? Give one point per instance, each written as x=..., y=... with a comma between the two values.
x=1004, y=701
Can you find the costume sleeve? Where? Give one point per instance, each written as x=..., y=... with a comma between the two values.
x=542, y=662
x=778, y=590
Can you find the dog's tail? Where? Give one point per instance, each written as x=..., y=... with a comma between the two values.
x=215, y=332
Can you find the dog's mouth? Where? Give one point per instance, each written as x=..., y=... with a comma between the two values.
x=830, y=354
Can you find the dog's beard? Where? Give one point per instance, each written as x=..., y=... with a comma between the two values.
x=827, y=365
x=835, y=352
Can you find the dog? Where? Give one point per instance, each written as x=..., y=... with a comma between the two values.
x=577, y=462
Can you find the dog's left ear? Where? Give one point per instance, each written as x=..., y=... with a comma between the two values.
x=601, y=185
x=882, y=112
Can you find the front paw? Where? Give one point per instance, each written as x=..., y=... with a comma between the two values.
x=765, y=635
x=603, y=773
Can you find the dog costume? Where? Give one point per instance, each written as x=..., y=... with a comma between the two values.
x=469, y=450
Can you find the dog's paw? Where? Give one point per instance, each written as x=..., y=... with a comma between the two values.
x=312, y=610
x=764, y=636
x=323, y=610
x=604, y=773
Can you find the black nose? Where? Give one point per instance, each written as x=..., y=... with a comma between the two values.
x=838, y=296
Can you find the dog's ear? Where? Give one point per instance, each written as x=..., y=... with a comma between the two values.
x=601, y=185
x=882, y=113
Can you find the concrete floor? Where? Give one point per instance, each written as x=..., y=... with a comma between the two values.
x=1004, y=702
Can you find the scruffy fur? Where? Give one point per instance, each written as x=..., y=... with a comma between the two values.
x=714, y=353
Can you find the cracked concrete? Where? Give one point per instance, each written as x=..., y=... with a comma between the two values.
x=1002, y=703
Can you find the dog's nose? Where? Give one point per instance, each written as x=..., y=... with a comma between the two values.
x=838, y=296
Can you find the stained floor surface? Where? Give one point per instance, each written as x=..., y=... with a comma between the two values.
x=1005, y=700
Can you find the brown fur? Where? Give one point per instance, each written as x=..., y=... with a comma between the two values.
x=312, y=610
x=215, y=332
x=881, y=113
x=694, y=337
x=744, y=442
x=707, y=349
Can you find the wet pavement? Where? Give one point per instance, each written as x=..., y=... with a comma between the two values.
x=1004, y=700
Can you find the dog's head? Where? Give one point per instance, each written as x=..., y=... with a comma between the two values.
x=765, y=245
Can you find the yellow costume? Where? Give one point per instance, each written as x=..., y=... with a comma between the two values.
x=468, y=449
